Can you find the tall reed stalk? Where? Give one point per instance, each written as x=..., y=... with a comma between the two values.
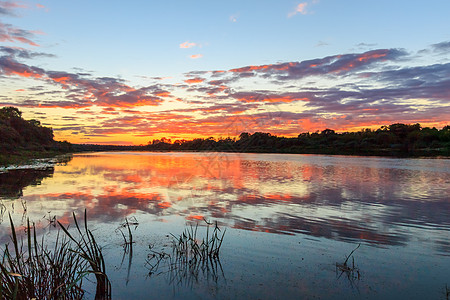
x=189, y=246
x=88, y=249
x=34, y=271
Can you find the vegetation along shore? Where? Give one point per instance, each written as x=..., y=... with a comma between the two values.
x=22, y=140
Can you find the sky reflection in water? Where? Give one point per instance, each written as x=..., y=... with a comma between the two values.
x=381, y=202
x=373, y=199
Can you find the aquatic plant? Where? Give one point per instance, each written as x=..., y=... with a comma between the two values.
x=188, y=245
x=191, y=258
x=352, y=271
x=88, y=249
x=34, y=271
x=182, y=271
x=128, y=242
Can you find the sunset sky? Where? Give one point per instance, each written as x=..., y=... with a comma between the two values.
x=127, y=72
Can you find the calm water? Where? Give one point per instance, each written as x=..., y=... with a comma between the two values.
x=289, y=219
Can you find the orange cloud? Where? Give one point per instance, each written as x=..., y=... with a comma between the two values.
x=196, y=56
x=194, y=80
x=63, y=79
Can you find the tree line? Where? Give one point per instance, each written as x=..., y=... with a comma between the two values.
x=18, y=135
x=396, y=139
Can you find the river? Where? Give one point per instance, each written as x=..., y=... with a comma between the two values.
x=288, y=219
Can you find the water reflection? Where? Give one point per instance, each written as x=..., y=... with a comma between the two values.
x=377, y=200
x=13, y=182
x=183, y=272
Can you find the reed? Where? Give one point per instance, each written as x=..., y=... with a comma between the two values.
x=188, y=244
x=352, y=271
x=128, y=242
x=88, y=249
x=34, y=271
x=192, y=259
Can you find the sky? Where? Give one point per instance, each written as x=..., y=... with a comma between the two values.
x=115, y=72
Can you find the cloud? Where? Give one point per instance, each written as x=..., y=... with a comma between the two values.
x=23, y=53
x=322, y=44
x=194, y=80
x=267, y=96
x=9, y=66
x=365, y=45
x=9, y=33
x=82, y=91
x=196, y=56
x=342, y=92
x=300, y=8
x=234, y=18
x=7, y=7
x=187, y=45
x=331, y=65
x=443, y=47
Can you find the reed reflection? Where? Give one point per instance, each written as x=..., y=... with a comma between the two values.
x=370, y=201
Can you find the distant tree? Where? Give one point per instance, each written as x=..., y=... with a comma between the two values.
x=327, y=132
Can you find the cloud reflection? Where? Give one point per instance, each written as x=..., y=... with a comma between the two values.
x=364, y=201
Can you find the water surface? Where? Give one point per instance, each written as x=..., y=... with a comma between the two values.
x=289, y=219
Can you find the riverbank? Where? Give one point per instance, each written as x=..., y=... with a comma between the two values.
x=23, y=157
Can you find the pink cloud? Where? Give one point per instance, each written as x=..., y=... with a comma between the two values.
x=11, y=5
x=187, y=45
x=300, y=8
x=9, y=33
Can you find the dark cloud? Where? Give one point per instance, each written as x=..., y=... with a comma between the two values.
x=9, y=66
x=443, y=47
x=268, y=96
x=330, y=65
x=23, y=53
x=85, y=91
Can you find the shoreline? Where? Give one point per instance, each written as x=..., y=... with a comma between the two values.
x=27, y=157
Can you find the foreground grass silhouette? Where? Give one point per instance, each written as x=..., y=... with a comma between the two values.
x=32, y=270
